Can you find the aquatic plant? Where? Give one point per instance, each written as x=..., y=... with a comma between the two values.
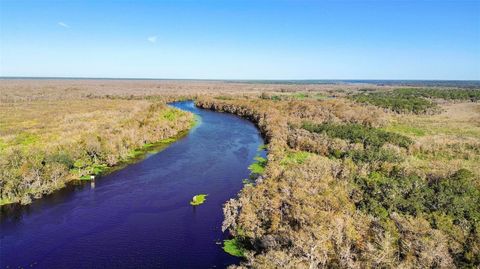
x=258, y=167
x=233, y=247
x=198, y=199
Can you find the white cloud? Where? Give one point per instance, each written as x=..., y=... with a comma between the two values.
x=152, y=39
x=64, y=25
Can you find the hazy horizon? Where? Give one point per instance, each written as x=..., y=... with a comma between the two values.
x=232, y=79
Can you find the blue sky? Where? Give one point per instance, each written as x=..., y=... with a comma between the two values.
x=241, y=39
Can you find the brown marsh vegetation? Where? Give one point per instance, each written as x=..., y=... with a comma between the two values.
x=356, y=176
x=353, y=185
x=46, y=141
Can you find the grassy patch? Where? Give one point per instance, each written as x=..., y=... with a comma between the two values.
x=149, y=147
x=298, y=157
x=198, y=199
x=305, y=96
x=404, y=129
x=233, y=247
x=3, y=145
x=171, y=114
x=26, y=139
x=300, y=96
x=163, y=141
x=266, y=96
x=319, y=96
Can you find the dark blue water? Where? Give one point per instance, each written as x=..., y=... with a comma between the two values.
x=140, y=217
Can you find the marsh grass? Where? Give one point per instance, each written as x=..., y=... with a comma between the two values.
x=292, y=158
x=46, y=144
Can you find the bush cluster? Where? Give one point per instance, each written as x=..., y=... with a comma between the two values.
x=356, y=133
x=396, y=103
x=446, y=94
x=415, y=100
x=451, y=205
x=340, y=195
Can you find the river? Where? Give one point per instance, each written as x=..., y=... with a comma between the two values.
x=140, y=216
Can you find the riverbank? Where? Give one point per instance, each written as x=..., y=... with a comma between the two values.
x=354, y=173
x=140, y=216
x=42, y=150
x=339, y=172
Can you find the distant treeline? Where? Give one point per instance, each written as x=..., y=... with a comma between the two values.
x=414, y=100
x=409, y=83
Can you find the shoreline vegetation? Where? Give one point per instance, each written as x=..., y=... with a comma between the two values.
x=80, y=143
x=349, y=185
x=356, y=175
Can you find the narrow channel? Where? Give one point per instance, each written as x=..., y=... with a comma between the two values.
x=140, y=216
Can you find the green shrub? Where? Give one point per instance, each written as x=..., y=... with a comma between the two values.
x=266, y=96
x=356, y=133
x=455, y=196
x=447, y=94
x=450, y=204
x=372, y=155
x=414, y=99
x=62, y=158
x=396, y=103
x=395, y=193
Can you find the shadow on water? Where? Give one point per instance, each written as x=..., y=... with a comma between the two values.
x=12, y=213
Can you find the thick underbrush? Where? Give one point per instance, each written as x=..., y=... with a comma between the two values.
x=44, y=145
x=346, y=183
x=339, y=190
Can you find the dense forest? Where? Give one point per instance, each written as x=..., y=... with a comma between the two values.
x=355, y=176
x=351, y=185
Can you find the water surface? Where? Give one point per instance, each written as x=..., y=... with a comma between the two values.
x=140, y=216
